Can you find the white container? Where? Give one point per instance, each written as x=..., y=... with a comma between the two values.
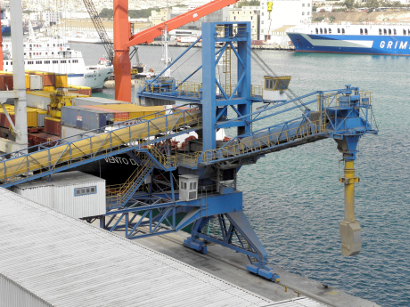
x=36, y=83
x=74, y=193
x=67, y=131
x=39, y=100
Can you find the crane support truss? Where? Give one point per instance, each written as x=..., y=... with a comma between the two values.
x=99, y=27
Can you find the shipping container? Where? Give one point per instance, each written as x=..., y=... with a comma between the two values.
x=49, y=78
x=4, y=122
x=74, y=133
x=61, y=80
x=119, y=116
x=52, y=126
x=27, y=77
x=133, y=110
x=42, y=138
x=83, y=90
x=49, y=88
x=41, y=115
x=36, y=83
x=6, y=82
x=85, y=119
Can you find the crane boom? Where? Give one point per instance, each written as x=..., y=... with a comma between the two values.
x=148, y=35
x=100, y=28
x=123, y=40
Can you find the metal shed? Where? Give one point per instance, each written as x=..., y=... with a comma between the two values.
x=74, y=193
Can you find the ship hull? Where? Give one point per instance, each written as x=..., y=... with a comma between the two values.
x=6, y=30
x=353, y=44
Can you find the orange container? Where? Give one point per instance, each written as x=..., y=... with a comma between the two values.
x=52, y=126
x=49, y=78
x=6, y=82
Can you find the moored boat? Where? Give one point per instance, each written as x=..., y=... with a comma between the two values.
x=358, y=39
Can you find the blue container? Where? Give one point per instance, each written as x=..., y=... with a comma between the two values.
x=85, y=119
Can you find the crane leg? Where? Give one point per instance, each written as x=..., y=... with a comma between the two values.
x=350, y=231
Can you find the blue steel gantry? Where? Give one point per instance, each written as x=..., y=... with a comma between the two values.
x=153, y=202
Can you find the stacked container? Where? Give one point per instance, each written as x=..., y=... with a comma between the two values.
x=85, y=119
x=52, y=125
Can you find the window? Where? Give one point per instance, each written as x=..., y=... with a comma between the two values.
x=365, y=31
x=308, y=13
x=361, y=31
x=389, y=31
x=46, y=62
x=303, y=5
x=85, y=191
x=317, y=31
x=63, y=61
x=308, y=4
x=303, y=13
x=183, y=186
x=321, y=31
x=380, y=31
x=330, y=31
x=404, y=31
x=55, y=62
x=384, y=31
x=192, y=186
x=343, y=31
x=325, y=30
x=270, y=84
x=394, y=31
x=338, y=30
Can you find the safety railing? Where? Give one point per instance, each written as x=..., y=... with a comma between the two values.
x=256, y=90
x=343, y=101
x=189, y=160
x=106, y=144
x=262, y=143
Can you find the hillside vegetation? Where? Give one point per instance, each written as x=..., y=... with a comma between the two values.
x=363, y=17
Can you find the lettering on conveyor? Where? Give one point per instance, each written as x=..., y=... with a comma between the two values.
x=121, y=160
x=397, y=45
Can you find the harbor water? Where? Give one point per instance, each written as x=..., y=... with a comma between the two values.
x=294, y=199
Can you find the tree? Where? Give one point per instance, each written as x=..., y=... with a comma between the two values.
x=332, y=18
x=106, y=13
x=372, y=3
x=349, y=4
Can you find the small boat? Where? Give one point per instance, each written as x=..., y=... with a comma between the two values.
x=358, y=39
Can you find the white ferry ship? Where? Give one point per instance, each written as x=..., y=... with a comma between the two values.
x=359, y=39
x=55, y=55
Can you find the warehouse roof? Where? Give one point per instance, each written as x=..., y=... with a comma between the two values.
x=66, y=262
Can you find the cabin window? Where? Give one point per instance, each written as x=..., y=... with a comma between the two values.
x=85, y=191
x=408, y=31
x=317, y=31
x=25, y=53
x=365, y=31
x=389, y=31
x=338, y=30
x=384, y=31
x=361, y=31
x=39, y=62
x=54, y=45
x=325, y=30
x=269, y=84
x=404, y=31
x=31, y=45
x=48, y=45
x=380, y=31
x=330, y=31
x=394, y=31
x=69, y=61
x=46, y=62
x=343, y=31
x=55, y=62
x=63, y=61
x=321, y=31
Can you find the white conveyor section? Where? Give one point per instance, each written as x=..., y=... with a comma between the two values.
x=48, y=258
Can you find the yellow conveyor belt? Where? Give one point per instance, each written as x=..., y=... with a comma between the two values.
x=97, y=145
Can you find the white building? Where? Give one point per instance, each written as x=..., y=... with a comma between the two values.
x=247, y=13
x=284, y=12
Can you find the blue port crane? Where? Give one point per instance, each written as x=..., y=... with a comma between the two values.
x=196, y=187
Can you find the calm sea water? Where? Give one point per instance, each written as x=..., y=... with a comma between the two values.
x=294, y=199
